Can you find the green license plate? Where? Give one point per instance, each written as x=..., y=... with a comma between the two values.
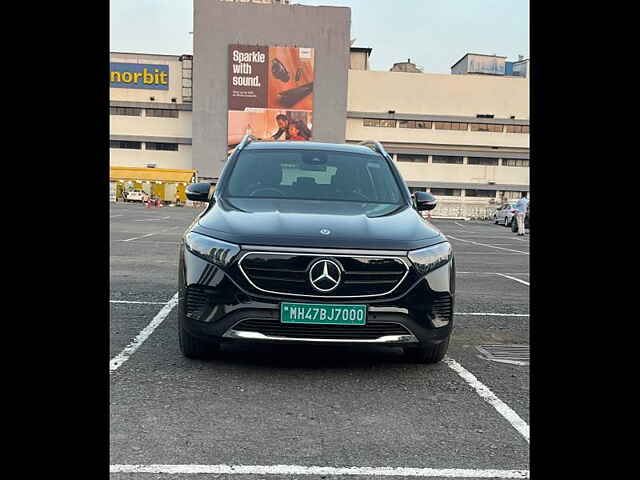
x=323, y=313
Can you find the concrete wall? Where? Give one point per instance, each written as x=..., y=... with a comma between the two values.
x=358, y=61
x=121, y=157
x=219, y=24
x=481, y=174
x=438, y=94
x=152, y=126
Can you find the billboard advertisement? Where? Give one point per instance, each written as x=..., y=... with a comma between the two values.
x=270, y=93
x=139, y=75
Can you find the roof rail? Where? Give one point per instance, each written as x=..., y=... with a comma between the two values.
x=375, y=146
x=246, y=140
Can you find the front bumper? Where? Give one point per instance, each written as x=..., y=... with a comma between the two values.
x=214, y=305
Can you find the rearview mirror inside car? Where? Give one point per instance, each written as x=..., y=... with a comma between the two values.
x=425, y=201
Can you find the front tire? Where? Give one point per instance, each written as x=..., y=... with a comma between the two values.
x=427, y=354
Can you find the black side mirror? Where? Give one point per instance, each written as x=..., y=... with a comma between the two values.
x=198, y=192
x=425, y=201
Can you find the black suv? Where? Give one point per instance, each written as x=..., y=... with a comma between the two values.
x=305, y=242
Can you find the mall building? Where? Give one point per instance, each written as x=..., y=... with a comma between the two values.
x=463, y=136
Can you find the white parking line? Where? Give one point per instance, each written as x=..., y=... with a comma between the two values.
x=130, y=349
x=152, y=219
x=487, y=253
x=136, y=238
x=488, y=396
x=142, y=303
x=148, y=234
x=502, y=237
x=503, y=244
x=315, y=470
x=155, y=241
x=114, y=216
x=493, y=273
x=513, y=278
x=491, y=314
x=487, y=245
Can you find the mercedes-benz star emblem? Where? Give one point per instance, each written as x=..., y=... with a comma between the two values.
x=324, y=275
x=325, y=231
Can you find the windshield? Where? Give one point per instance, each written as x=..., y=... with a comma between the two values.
x=313, y=175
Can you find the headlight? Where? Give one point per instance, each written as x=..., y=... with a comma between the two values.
x=215, y=251
x=430, y=258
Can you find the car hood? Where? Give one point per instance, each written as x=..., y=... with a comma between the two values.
x=298, y=223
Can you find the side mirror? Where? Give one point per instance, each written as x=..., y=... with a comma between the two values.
x=425, y=201
x=198, y=192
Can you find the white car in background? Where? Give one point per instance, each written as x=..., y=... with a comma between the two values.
x=135, y=195
x=504, y=214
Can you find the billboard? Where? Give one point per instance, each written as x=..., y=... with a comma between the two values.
x=270, y=93
x=139, y=75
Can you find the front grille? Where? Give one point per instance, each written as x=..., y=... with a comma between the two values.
x=196, y=301
x=274, y=328
x=288, y=274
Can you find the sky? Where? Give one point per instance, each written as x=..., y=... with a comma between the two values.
x=434, y=34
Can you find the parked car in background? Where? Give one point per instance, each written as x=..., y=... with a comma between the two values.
x=135, y=195
x=505, y=215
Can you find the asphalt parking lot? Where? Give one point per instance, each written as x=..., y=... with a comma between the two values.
x=284, y=412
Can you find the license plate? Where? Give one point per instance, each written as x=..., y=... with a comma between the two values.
x=323, y=313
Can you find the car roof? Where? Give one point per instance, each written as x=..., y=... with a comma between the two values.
x=298, y=145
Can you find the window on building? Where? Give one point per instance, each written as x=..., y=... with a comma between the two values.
x=517, y=128
x=415, y=124
x=447, y=159
x=404, y=157
x=515, y=162
x=377, y=122
x=446, y=192
x=173, y=147
x=417, y=189
x=161, y=112
x=451, y=126
x=511, y=195
x=480, y=193
x=482, y=161
x=125, y=144
x=486, y=127
x=128, y=111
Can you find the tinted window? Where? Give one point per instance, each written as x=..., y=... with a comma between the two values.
x=482, y=161
x=446, y=192
x=313, y=175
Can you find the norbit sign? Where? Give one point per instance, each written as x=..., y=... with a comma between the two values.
x=138, y=75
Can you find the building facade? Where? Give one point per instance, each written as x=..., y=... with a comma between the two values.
x=218, y=25
x=150, y=124
x=464, y=137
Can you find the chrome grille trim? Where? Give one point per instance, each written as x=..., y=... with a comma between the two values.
x=401, y=260
x=259, y=336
